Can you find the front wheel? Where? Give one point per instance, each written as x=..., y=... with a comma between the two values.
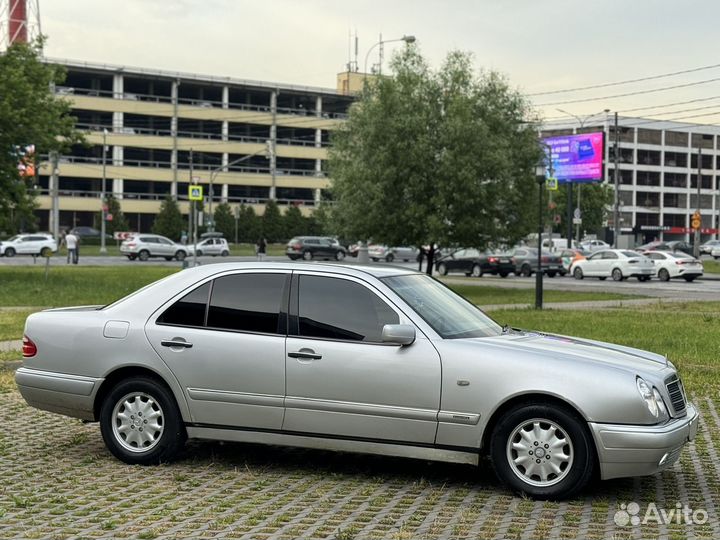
x=180, y=255
x=339, y=256
x=389, y=258
x=664, y=275
x=144, y=255
x=542, y=450
x=578, y=273
x=442, y=269
x=140, y=422
x=476, y=271
x=10, y=252
x=617, y=274
x=45, y=252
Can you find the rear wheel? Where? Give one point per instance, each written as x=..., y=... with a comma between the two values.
x=389, y=258
x=526, y=271
x=10, y=252
x=144, y=255
x=542, y=450
x=442, y=269
x=45, y=252
x=140, y=422
x=132, y=257
x=476, y=271
x=225, y=253
x=180, y=255
x=663, y=275
x=339, y=255
x=578, y=273
x=617, y=274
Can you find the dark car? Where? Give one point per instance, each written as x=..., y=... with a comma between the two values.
x=315, y=247
x=472, y=262
x=525, y=262
x=674, y=245
x=88, y=232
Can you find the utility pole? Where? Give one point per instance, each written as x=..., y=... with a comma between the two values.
x=569, y=217
x=273, y=142
x=55, y=204
x=103, y=202
x=616, y=181
x=696, y=242
x=193, y=211
x=539, y=273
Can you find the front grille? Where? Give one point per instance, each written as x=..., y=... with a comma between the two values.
x=677, y=395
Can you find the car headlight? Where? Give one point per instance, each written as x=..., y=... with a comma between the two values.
x=652, y=398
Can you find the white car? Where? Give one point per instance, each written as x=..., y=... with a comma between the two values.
x=144, y=246
x=389, y=254
x=28, y=244
x=211, y=246
x=594, y=245
x=708, y=246
x=675, y=264
x=715, y=252
x=619, y=264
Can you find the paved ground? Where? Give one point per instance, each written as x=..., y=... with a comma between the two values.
x=58, y=481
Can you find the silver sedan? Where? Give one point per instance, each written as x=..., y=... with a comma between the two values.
x=360, y=359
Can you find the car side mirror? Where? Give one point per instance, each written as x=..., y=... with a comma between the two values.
x=399, y=334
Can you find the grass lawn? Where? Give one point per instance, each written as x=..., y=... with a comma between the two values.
x=12, y=324
x=487, y=295
x=686, y=333
x=711, y=266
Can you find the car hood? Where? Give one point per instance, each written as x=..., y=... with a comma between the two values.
x=574, y=349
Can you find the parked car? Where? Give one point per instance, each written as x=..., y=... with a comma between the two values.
x=524, y=261
x=708, y=246
x=681, y=245
x=377, y=360
x=314, y=247
x=655, y=245
x=715, y=252
x=210, y=246
x=472, y=262
x=594, y=245
x=569, y=256
x=619, y=264
x=389, y=254
x=675, y=264
x=144, y=246
x=28, y=244
x=88, y=232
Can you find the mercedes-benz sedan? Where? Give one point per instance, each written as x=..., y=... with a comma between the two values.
x=360, y=359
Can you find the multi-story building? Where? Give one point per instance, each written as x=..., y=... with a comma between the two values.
x=254, y=140
x=658, y=169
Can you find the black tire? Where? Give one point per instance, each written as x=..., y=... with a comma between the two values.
x=551, y=274
x=571, y=440
x=442, y=269
x=389, y=258
x=144, y=255
x=617, y=274
x=180, y=255
x=663, y=275
x=689, y=278
x=503, y=274
x=225, y=253
x=167, y=440
x=477, y=271
x=9, y=252
x=526, y=271
x=339, y=255
x=45, y=252
x=132, y=257
x=578, y=273
x=307, y=255
x=199, y=252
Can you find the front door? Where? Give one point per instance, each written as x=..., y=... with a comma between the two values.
x=342, y=380
x=225, y=343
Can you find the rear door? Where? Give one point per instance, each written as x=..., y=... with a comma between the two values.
x=341, y=380
x=225, y=342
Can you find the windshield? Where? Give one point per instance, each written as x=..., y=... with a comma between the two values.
x=450, y=315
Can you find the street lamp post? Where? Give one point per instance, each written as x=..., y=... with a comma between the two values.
x=382, y=42
x=541, y=189
x=103, y=202
x=213, y=173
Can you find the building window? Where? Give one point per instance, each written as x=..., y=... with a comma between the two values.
x=649, y=136
x=648, y=178
x=648, y=157
x=647, y=199
x=678, y=180
x=676, y=159
x=675, y=200
x=676, y=138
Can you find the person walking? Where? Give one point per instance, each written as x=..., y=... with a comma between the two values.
x=260, y=248
x=72, y=241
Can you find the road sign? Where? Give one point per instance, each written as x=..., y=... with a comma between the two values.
x=577, y=214
x=195, y=193
x=557, y=219
x=552, y=184
x=695, y=223
x=577, y=221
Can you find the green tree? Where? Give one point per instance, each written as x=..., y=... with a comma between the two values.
x=595, y=200
x=169, y=221
x=118, y=223
x=444, y=157
x=225, y=221
x=29, y=115
x=272, y=223
x=318, y=222
x=248, y=224
x=294, y=224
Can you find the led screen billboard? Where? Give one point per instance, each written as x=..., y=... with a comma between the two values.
x=577, y=158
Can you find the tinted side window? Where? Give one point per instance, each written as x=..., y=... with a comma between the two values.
x=341, y=309
x=609, y=255
x=189, y=310
x=247, y=302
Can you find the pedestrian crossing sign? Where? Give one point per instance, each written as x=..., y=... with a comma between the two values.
x=195, y=193
x=552, y=183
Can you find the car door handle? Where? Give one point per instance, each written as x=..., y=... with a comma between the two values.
x=175, y=343
x=305, y=354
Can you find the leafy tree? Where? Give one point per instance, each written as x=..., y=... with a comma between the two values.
x=294, y=224
x=272, y=223
x=248, y=224
x=169, y=221
x=444, y=157
x=595, y=200
x=225, y=221
x=29, y=115
x=118, y=223
x=318, y=222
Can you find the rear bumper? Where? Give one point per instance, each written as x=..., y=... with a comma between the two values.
x=62, y=393
x=642, y=450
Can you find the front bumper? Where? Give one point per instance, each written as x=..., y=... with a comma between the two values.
x=642, y=450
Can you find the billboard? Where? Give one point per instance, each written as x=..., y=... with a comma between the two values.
x=577, y=158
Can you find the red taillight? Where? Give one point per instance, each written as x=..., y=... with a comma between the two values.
x=296, y=247
x=131, y=245
x=493, y=259
x=28, y=348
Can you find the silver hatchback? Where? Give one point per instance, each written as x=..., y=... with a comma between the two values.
x=360, y=359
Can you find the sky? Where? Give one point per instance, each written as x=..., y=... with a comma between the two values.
x=539, y=45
